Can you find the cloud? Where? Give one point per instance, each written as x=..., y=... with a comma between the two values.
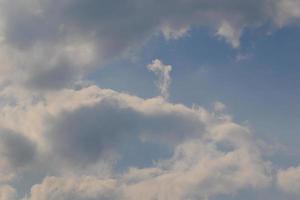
x=230, y=34
x=16, y=151
x=16, y=148
x=78, y=128
x=74, y=188
x=88, y=131
x=164, y=78
x=113, y=119
x=210, y=154
x=41, y=39
x=288, y=12
x=219, y=107
x=288, y=180
x=198, y=169
x=7, y=192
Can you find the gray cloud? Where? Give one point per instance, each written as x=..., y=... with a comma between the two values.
x=18, y=154
x=197, y=170
x=82, y=135
x=59, y=76
x=87, y=34
x=16, y=149
x=210, y=154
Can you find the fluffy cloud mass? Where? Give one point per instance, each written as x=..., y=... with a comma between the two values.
x=85, y=132
x=289, y=180
x=7, y=193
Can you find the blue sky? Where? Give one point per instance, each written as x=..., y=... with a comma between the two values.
x=260, y=89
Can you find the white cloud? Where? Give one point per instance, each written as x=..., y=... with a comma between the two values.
x=7, y=193
x=231, y=34
x=164, y=78
x=79, y=128
x=74, y=188
x=289, y=180
x=198, y=169
x=106, y=116
x=288, y=12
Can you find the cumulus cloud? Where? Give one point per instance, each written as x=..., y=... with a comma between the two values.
x=198, y=169
x=77, y=129
x=164, y=78
x=289, y=180
x=81, y=124
x=211, y=155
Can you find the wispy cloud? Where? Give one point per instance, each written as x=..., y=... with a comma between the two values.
x=164, y=78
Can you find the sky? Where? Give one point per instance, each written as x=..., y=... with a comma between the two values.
x=149, y=100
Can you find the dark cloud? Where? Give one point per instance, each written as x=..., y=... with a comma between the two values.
x=197, y=170
x=60, y=76
x=114, y=28
x=82, y=135
x=16, y=149
x=119, y=24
